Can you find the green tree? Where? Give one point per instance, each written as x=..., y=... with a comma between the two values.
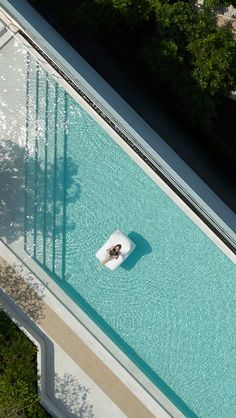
x=165, y=51
x=213, y=57
x=18, y=373
x=194, y=58
x=170, y=46
x=218, y=3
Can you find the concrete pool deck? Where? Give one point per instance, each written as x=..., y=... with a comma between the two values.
x=48, y=323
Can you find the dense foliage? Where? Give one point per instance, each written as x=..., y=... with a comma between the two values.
x=219, y=3
x=175, y=48
x=18, y=373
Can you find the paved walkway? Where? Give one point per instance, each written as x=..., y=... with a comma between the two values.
x=32, y=302
x=92, y=365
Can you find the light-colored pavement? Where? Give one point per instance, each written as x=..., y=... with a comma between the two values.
x=72, y=358
x=115, y=396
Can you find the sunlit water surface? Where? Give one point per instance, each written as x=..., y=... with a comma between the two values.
x=174, y=300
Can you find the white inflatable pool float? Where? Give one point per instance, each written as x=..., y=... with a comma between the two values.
x=127, y=247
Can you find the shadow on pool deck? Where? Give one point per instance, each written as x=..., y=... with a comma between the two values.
x=142, y=248
x=26, y=304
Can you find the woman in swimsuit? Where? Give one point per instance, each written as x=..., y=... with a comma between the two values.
x=112, y=252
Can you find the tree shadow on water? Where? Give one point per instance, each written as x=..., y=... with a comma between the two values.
x=13, y=167
x=142, y=248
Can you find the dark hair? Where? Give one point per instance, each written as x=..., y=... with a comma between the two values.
x=117, y=245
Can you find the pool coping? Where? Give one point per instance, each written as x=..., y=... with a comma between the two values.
x=39, y=329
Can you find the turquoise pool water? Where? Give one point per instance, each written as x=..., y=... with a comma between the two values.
x=172, y=304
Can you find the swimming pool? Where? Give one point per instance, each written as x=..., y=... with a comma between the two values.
x=171, y=306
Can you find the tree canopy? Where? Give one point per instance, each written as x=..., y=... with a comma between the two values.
x=18, y=373
x=170, y=45
x=218, y=3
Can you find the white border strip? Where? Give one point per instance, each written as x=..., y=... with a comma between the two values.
x=92, y=336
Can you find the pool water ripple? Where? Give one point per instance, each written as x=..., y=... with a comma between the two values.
x=173, y=301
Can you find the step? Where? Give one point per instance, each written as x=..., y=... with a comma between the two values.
x=5, y=38
x=2, y=27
